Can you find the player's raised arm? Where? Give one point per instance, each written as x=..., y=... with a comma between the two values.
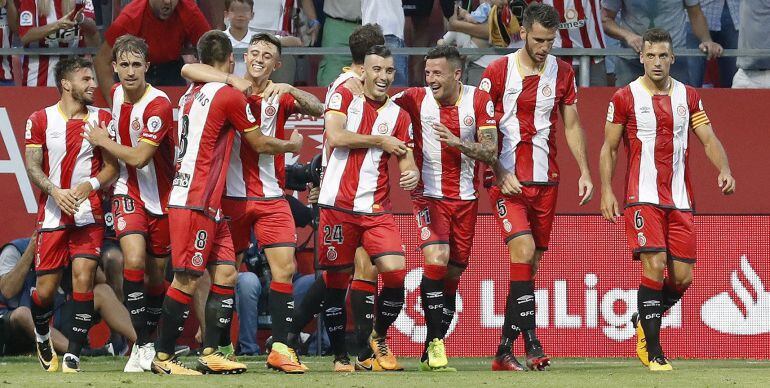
x=304, y=102
x=138, y=156
x=608, y=159
x=576, y=140
x=718, y=157
x=201, y=72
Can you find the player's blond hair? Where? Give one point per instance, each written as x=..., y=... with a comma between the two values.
x=44, y=6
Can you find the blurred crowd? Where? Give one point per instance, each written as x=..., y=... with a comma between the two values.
x=171, y=27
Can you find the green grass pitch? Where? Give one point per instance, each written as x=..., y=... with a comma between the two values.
x=473, y=372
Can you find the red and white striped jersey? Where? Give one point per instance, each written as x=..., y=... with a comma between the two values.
x=68, y=160
x=656, y=137
x=257, y=176
x=356, y=179
x=209, y=115
x=6, y=65
x=580, y=25
x=346, y=74
x=445, y=172
x=526, y=112
x=148, y=120
x=39, y=70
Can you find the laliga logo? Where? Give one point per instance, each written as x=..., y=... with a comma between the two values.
x=405, y=324
x=724, y=315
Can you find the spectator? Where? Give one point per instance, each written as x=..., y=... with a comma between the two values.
x=274, y=17
x=581, y=27
x=636, y=16
x=166, y=25
x=53, y=24
x=753, y=72
x=389, y=14
x=17, y=279
x=238, y=14
x=9, y=24
x=722, y=19
x=342, y=17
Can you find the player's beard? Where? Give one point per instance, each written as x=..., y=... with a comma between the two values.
x=82, y=97
x=532, y=55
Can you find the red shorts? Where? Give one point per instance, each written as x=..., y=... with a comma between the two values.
x=447, y=221
x=132, y=218
x=55, y=248
x=530, y=212
x=271, y=221
x=653, y=229
x=197, y=241
x=341, y=233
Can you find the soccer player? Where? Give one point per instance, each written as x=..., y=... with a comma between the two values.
x=143, y=116
x=454, y=126
x=68, y=171
x=361, y=133
x=527, y=87
x=209, y=114
x=254, y=195
x=654, y=116
x=363, y=287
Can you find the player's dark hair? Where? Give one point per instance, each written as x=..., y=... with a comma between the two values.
x=214, y=47
x=540, y=13
x=129, y=44
x=65, y=67
x=362, y=39
x=451, y=54
x=250, y=3
x=380, y=51
x=657, y=35
x=269, y=38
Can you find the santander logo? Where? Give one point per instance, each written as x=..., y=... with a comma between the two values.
x=749, y=314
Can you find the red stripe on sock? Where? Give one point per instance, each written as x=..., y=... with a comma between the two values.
x=649, y=283
x=221, y=290
x=284, y=288
x=521, y=272
x=450, y=286
x=393, y=279
x=434, y=272
x=83, y=296
x=179, y=296
x=338, y=280
x=363, y=285
x=134, y=275
x=156, y=290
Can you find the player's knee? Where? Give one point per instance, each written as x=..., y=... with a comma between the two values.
x=682, y=282
x=112, y=258
x=436, y=254
x=226, y=276
x=284, y=272
x=653, y=266
x=83, y=281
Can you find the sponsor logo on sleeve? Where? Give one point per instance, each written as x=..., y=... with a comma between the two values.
x=485, y=85
x=154, y=124
x=28, y=130
x=335, y=101
x=249, y=115
x=611, y=112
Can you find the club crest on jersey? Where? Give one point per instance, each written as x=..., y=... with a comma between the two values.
x=136, y=125
x=547, y=91
x=121, y=223
x=331, y=254
x=468, y=121
x=507, y=226
x=681, y=110
x=641, y=239
x=270, y=110
x=485, y=85
x=490, y=109
x=382, y=128
x=197, y=259
x=154, y=123
x=424, y=233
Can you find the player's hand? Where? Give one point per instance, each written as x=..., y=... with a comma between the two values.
x=67, y=203
x=508, y=183
x=409, y=179
x=273, y=91
x=355, y=86
x=635, y=42
x=393, y=146
x=609, y=206
x=81, y=192
x=96, y=135
x=726, y=182
x=313, y=32
x=313, y=194
x=711, y=49
x=241, y=84
x=444, y=135
x=585, y=189
x=295, y=141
